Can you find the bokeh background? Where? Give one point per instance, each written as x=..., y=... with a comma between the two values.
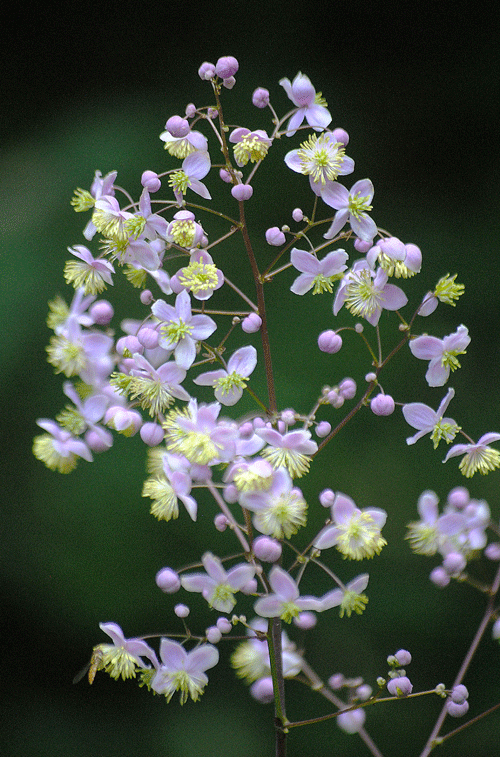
x=91, y=88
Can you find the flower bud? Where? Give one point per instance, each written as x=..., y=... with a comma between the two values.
x=267, y=549
x=146, y=297
x=329, y=342
x=130, y=344
x=224, y=625
x=206, y=71
x=459, y=497
x=98, y=440
x=275, y=236
x=226, y=67
x=101, y=312
x=340, y=135
x=361, y=246
x=297, y=215
x=182, y=611
x=177, y=126
x=403, y=657
x=327, y=497
x=225, y=176
x=213, y=634
x=260, y=97
x=221, y=522
x=168, y=580
x=454, y=563
x=229, y=83
x=151, y=434
x=262, y=690
x=347, y=388
x=456, y=710
x=190, y=110
x=495, y=631
x=382, y=404
x=439, y=577
x=148, y=337
x=251, y=323
x=323, y=429
x=242, y=192
x=123, y=420
x=459, y=693
x=492, y=551
x=150, y=181
x=352, y=721
x=336, y=681
x=305, y=620
x=400, y=686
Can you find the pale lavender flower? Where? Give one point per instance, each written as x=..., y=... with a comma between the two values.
x=154, y=223
x=366, y=293
x=182, y=146
x=196, y=433
x=183, y=671
x=229, y=383
x=249, y=145
x=441, y=353
x=201, y=277
x=350, y=598
x=351, y=206
x=217, y=586
x=180, y=330
x=86, y=415
x=195, y=167
x=125, y=655
x=286, y=602
x=355, y=532
x=400, y=686
x=321, y=158
x=279, y=509
x=477, y=457
x=303, y=95
x=156, y=387
x=92, y=273
x=290, y=450
x=428, y=421
x=58, y=448
x=100, y=186
x=319, y=274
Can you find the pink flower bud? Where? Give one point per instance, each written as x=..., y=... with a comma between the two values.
x=459, y=497
x=260, y=97
x=206, y=71
x=329, y=342
x=341, y=136
x=213, y=634
x=347, y=388
x=225, y=176
x=275, y=236
x=101, y=312
x=98, y=441
x=190, y=110
x=262, y=690
x=146, y=297
x=168, y=580
x=130, y=343
x=403, y=657
x=126, y=422
x=335, y=399
x=150, y=181
x=454, y=563
x=336, y=681
x=400, y=686
x=226, y=67
x=352, y=721
x=221, y=522
x=361, y=246
x=252, y=323
x=224, y=625
x=229, y=83
x=456, y=710
x=439, y=577
x=182, y=611
x=177, y=126
x=459, y=694
x=492, y=551
x=151, y=434
x=305, y=621
x=323, y=429
x=382, y=404
x=267, y=549
x=297, y=215
x=242, y=192
x=148, y=337
x=327, y=497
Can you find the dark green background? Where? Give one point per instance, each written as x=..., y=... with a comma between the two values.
x=88, y=89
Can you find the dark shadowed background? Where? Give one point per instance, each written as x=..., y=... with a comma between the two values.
x=86, y=88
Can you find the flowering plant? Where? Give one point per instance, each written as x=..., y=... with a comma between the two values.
x=244, y=469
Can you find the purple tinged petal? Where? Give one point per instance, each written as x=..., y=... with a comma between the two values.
x=394, y=297
x=327, y=537
x=426, y=347
x=293, y=161
x=210, y=377
x=196, y=165
x=172, y=654
x=363, y=188
x=240, y=575
x=269, y=607
x=283, y=584
x=243, y=361
x=338, y=223
x=318, y=116
x=343, y=508
x=214, y=568
x=202, y=658
x=304, y=261
x=365, y=227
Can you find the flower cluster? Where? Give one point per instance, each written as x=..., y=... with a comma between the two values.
x=243, y=469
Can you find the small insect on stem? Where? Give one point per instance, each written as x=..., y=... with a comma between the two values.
x=91, y=667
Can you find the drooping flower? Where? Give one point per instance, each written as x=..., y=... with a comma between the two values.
x=229, y=384
x=428, y=421
x=350, y=598
x=477, y=457
x=169, y=485
x=249, y=145
x=58, y=448
x=184, y=230
x=195, y=432
x=201, y=277
x=423, y=535
x=441, y=353
x=194, y=168
x=366, y=293
x=183, y=671
x=217, y=585
x=251, y=661
x=280, y=509
x=286, y=602
x=351, y=206
x=355, y=532
x=123, y=657
x=182, y=146
x=319, y=274
x=310, y=104
x=92, y=274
